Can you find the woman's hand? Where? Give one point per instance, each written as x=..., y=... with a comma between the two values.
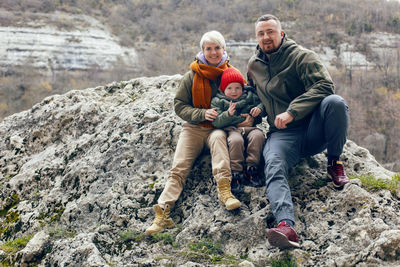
x=232, y=108
x=211, y=114
x=255, y=111
x=248, y=122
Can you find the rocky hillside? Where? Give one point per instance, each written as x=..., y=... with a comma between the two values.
x=50, y=47
x=84, y=44
x=79, y=174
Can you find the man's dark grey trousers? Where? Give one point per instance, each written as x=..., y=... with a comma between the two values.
x=326, y=129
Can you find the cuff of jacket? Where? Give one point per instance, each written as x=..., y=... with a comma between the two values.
x=292, y=112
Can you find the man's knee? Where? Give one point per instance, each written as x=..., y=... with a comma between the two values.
x=274, y=160
x=276, y=168
x=335, y=101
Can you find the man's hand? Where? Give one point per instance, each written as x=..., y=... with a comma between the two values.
x=211, y=114
x=248, y=122
x=282, y=119
x=255, y=111
x=232, y=108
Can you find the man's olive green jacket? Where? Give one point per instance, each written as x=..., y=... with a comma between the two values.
x=293, y=79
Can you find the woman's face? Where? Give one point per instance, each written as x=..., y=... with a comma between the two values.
x=213, y=53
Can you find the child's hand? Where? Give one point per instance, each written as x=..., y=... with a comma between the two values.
x=255, y=112
x=232, y=108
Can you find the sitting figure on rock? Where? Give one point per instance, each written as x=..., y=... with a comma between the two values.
x=233, y=103
x=192, y=103
x=304, y=115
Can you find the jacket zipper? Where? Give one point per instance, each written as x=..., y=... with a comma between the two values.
x=271, y=100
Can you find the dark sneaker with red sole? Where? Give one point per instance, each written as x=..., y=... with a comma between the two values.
x=283, y=236
x=337, y=174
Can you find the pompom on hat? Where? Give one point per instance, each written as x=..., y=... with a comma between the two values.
x=231, y=75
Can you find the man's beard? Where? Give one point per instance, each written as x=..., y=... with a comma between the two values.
x=271, y=51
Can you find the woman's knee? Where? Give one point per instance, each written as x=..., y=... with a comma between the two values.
x=217, y=141
x=217, y=135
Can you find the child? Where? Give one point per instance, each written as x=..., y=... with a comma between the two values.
x=231, y=102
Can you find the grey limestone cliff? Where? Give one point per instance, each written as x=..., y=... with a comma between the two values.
x=84, y=45
x=80, y=172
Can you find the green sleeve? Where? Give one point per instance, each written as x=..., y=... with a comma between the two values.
x=224, y=119
x=183, y=103
x=257, y=102
x=317, y=83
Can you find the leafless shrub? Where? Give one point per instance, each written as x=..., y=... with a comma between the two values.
x=7, y=18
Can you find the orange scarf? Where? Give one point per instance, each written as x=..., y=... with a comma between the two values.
x=201, y=89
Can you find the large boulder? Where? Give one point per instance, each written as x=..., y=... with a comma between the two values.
x=80, y=172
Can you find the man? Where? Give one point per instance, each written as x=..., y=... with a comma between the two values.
x=304, y=115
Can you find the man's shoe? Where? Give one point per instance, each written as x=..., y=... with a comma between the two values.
x=237, y=182
x=283, y=236
x=225, y=195
x=253, y=179
x=337, y=174
x=162, y=220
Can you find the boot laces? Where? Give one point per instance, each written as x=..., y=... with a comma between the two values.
x=225, y=191
x=161, y=217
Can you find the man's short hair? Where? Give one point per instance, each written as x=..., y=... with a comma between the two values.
x=213, y=37
x=267, y=17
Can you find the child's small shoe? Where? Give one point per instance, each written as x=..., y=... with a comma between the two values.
x=253, y=179
x=237, y=182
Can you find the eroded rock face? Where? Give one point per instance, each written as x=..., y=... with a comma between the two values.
x=86, y=46
x=80, y=173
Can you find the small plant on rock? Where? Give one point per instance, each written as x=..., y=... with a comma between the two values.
x=372, y=183
x=16, y=244
x=131, y=236
x=208, y=251
x=166, y=238
x=286, y=261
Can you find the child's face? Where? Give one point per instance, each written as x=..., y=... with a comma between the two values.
x=233, y=90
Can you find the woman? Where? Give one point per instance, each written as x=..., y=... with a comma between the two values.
x=192, y=104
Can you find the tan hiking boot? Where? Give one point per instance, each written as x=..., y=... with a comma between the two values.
x=162, y=220
x=225, y=195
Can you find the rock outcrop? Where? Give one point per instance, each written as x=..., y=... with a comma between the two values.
x=80, y=172
x=89, y=44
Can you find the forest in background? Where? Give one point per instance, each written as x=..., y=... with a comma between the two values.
x=166, y=35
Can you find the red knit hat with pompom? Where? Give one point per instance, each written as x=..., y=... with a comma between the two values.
x=231, y=75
